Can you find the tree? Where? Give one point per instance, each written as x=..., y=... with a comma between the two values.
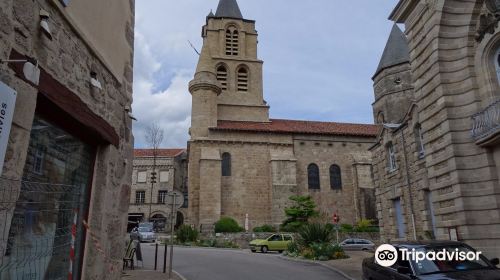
x=299, y=214
x=154, y=138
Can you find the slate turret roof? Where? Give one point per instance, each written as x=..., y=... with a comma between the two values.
x=228, y=9
x=396, y=50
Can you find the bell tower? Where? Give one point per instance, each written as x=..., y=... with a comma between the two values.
x=229, y=55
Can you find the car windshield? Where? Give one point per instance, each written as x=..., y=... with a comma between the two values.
x=144, y=229
x=427, y=266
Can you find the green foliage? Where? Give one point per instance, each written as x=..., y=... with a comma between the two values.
x=299, y=214
x=364, y=225
x=186, y=233
x=326, y=251
x=265, y=228
x=346, y=228
x=315, y=233
x=226, y=224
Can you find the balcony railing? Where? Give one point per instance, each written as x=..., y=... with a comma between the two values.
x=486, y=124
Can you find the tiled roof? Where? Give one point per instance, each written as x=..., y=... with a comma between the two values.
x=301, y=127
x=228, y=9
x=160, y=152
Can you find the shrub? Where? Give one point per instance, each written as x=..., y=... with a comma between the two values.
x=186, y=233
x=315, y=233
x=293, y=247
x=265, y=228
x=364, y=225
x=346, y=228
x=299, y=214
x=227, y=224
x=326, y=251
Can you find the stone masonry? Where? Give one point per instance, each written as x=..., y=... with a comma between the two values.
x=66, y=61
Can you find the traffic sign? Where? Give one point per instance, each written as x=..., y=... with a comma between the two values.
x=336, y=218
x=178, y=201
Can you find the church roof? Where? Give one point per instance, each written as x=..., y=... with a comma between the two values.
x=160, y=152
x=228, y=9
x=396, y=50
x=301, y=127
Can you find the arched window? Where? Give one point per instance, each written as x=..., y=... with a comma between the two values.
x=419, y=142
x=391, y=157
x=335, y=177
x=242, y=79
x=222, y=76
x=226, y=164
x=232, y=41
x=313, y=176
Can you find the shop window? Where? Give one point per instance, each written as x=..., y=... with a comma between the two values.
x=51, y=204
x=335, y=177
x=313, y=176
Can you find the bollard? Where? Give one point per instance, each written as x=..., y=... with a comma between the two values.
x=156, y=255
x=165, y=259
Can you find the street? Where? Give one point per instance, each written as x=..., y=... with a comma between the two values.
x=217, y=264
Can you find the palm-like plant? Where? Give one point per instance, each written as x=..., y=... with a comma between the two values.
x=315, y=233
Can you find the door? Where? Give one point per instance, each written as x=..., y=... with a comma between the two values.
x=400, y=222
x=276, y=242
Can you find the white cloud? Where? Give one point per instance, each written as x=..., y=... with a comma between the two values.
x=170, y=109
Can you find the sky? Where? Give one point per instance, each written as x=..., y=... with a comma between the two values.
x=319, y=57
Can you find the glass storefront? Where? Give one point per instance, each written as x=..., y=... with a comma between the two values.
x=53, y=201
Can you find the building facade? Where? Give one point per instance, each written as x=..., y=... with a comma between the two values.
x=148, y=201
x=436, y=163
x=242, y=162
x=66, y=78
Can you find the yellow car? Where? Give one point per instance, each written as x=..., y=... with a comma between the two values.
x=276, y=242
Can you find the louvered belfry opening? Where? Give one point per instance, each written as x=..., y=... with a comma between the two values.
x=222, y=76
x=242, y=79
x=232, y=41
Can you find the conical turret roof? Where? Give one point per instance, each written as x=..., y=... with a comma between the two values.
x=396, y=50
x=228, y=9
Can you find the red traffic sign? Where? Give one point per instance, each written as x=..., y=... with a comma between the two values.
x=336, y=218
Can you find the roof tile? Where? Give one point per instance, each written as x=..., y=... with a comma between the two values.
x=301, y=127
x=161, y=152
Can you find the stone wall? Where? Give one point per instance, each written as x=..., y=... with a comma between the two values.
x=69, y=59
x=454, y=78
x=243, y=239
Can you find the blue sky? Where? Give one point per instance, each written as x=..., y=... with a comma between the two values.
x=319, y=57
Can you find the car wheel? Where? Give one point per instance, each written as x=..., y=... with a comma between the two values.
x=280, y=251
x=253, y=251
x=364, y=249
x=264, y=249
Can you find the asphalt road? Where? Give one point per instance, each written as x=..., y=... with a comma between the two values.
x=216, y=264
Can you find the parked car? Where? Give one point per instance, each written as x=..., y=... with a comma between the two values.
x=357, y=244
x=276, y=242
x=143, y=234
x=482, y=269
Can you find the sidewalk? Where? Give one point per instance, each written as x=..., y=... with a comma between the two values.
x=148, y=275
x=352, y=265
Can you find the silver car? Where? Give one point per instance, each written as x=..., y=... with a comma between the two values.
x=143, y=234
x=355, y=244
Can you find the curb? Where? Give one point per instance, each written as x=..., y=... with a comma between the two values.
x=179, y=275
x=343, y=274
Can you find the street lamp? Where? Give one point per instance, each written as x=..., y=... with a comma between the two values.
x=393, y=127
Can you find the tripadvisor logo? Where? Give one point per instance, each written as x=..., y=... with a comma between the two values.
x=387, y=255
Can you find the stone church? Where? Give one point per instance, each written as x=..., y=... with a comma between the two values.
x=243, y=162
x=437, y=162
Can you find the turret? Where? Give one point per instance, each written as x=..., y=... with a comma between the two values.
x=393, y=83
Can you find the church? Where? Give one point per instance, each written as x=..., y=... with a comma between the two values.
x=242, y=162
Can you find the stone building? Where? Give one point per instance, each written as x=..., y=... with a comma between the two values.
x=66, y=78
x=436, y=163
x=148, y=200
x=242, y=162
